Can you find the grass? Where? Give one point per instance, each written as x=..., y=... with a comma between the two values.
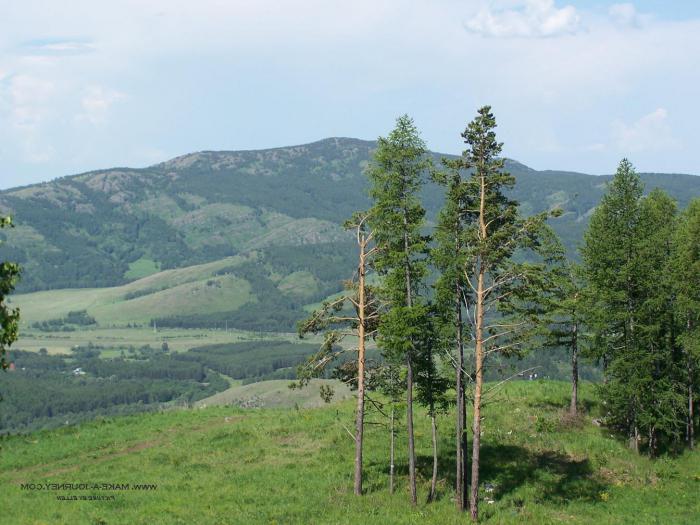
x=194, y=289
x=276, y=394
x=143, y=267
x=223, y=465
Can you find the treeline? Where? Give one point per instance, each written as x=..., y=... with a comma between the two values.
x=68, y=323
x=505, y=289
x=43, y=390
x=251, y=361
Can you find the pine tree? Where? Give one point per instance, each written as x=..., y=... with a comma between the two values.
x=396, y=218
x=563, y=307
x=355, y=314
x=686, y=280
x=610, y=253
x=494, y=232
x=627, y=261
x=662, y=414
x=9, y=317
x=431, y=382
x=450, y=292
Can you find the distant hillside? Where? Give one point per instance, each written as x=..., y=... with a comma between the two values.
x=110, y=227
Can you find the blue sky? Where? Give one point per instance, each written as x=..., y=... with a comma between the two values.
x=575, y=85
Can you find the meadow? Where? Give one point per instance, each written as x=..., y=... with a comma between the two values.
x=224, y=465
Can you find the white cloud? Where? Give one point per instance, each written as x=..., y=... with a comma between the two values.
x=533, y=18
x=58, y=47
x=651, y=133
x=25, y=104
x=626, y=15
x=96, y=103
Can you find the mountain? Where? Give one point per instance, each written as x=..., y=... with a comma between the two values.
x=279, y=210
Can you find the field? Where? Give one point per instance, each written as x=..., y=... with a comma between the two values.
x=179, y=340
x=275, y=394
x=183, y=290
x=222, y=465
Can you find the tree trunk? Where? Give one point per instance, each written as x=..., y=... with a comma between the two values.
x=409, y=429
x=476, y=427
x=634, y=439
x=479, y=357
x=433, y=482
x=691, y=418
x=574, y=371
x=409, y=378
x=461, y=478
x=391, y=453
x=360, y=415
x=690, y=425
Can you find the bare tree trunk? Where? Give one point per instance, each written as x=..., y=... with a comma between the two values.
x=479, y=356
x=391, y=453
x=461, y=479
x=573, y=409
x=476, y=426
x=360, y=415
x=433, y=482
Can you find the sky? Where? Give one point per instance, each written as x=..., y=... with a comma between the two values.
x=575, y=85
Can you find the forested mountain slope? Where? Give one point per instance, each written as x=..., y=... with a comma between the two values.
x=109, y=227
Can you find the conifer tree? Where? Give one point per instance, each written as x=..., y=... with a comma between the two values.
x=494, y=232
x=563, y=307
x=627, y=261
x=9, y=317
x=396, y=175
x=431, y=383
x=354, y=314
x=686, y=279
x=392, y=385
x=450, y=296
x=609, y=254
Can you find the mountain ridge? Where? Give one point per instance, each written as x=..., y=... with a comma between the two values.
x=105, y=227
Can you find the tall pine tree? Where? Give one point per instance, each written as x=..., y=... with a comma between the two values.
x=397, y=217
x=627, y=262
x=354, y=314
x=686, y=280
x=493, y=233
x=450, y=292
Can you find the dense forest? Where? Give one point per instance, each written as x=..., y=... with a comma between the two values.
x=43, y=391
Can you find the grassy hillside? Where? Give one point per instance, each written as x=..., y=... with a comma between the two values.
x=262, y=290
x=229, y=465
x=276, y=394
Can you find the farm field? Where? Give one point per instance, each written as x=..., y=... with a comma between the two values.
x=178, y=339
